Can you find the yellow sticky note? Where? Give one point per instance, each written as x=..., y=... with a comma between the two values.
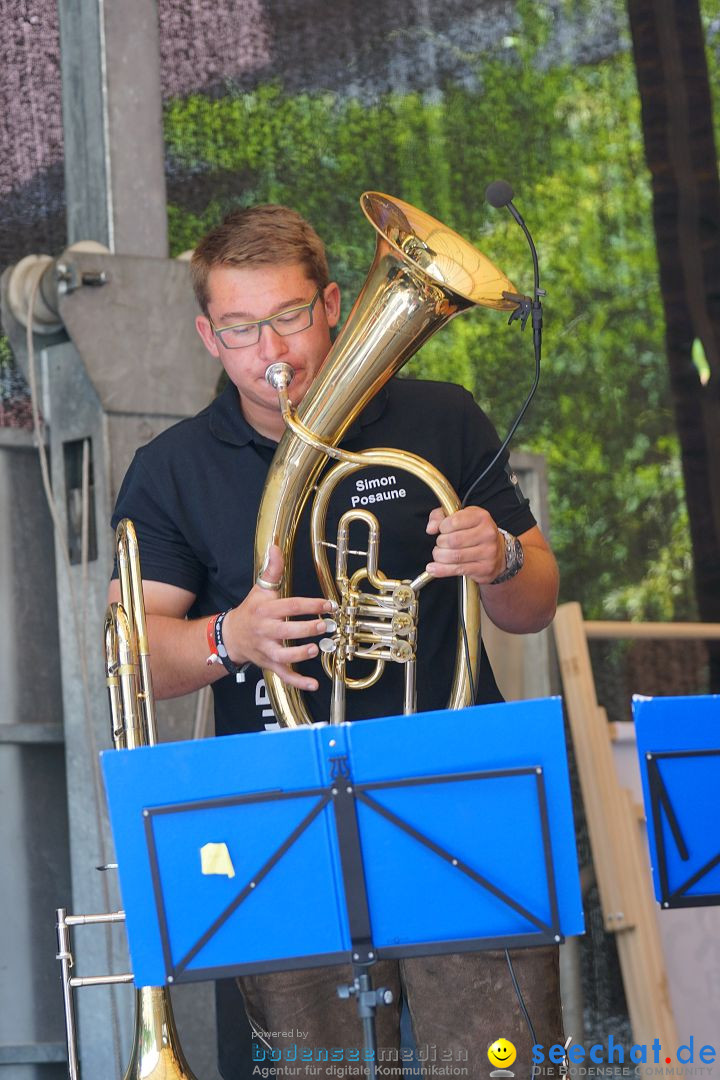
x=215, y=859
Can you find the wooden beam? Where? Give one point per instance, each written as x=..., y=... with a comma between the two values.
x=620, y=863
x=665, y=631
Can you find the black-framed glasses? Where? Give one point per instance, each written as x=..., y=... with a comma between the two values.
x=285, y=323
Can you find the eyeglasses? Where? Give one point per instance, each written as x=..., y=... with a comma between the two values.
x=284, y=323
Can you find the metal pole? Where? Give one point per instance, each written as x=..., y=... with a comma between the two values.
x=64, y=955
x=112, y=125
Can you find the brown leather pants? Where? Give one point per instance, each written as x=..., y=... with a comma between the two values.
x=459, y=1004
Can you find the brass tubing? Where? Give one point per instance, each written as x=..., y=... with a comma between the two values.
x=410, y=700
x=463, y=682
x=339, y=683
x=383, y=630
x=156, y=1053
x=112, y=679
x=133, y=729
x=421, y=581
x=132, y=600
x=356, y=684
x=367, y=680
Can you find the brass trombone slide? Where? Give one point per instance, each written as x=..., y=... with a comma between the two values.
x=156, y=1053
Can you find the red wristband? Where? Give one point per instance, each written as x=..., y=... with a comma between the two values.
x=213, y=657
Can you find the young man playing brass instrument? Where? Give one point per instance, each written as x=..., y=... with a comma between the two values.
x=265, y=294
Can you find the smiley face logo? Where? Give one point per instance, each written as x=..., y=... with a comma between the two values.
x=501, y=1053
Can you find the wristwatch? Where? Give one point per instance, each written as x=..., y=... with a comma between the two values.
x=514, y=558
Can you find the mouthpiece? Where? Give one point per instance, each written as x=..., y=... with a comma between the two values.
x=279, y=376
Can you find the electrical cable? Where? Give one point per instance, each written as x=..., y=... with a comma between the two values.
x=478, y=480
x=521, y=1001
x=511, y=431
x=533, y=308
x=499, y=194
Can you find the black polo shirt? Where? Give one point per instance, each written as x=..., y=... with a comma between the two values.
x=194, y=492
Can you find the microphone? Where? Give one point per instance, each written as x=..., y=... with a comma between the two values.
x=499, y=193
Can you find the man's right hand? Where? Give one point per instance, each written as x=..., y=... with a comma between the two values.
x=258, y=629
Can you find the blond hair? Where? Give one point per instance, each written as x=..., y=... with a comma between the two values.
x=259, y=236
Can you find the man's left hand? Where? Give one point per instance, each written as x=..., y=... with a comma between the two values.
x=468, y=542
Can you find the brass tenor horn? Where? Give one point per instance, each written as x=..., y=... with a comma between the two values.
x=423, y=274
x=156, y=1052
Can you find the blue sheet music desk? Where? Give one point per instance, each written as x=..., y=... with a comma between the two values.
x=407, y=835
x=678, y=740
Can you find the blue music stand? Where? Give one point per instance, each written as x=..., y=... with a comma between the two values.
x=410, y=835
x=678, y=740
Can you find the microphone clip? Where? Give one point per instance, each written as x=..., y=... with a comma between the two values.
x=521, y=311
x=525, y=308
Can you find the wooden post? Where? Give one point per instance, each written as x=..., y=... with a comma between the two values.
x=624, y=882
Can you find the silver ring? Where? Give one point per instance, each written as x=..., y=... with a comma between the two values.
x=273, y=586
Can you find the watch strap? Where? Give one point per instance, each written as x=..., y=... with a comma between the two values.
x=514, y=557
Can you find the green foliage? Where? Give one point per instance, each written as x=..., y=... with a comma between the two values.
x=710, y=11
x=570, y=141
x=6, y=356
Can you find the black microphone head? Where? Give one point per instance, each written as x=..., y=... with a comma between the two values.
x=499, y=193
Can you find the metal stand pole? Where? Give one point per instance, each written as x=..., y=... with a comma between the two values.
x=368, y=999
